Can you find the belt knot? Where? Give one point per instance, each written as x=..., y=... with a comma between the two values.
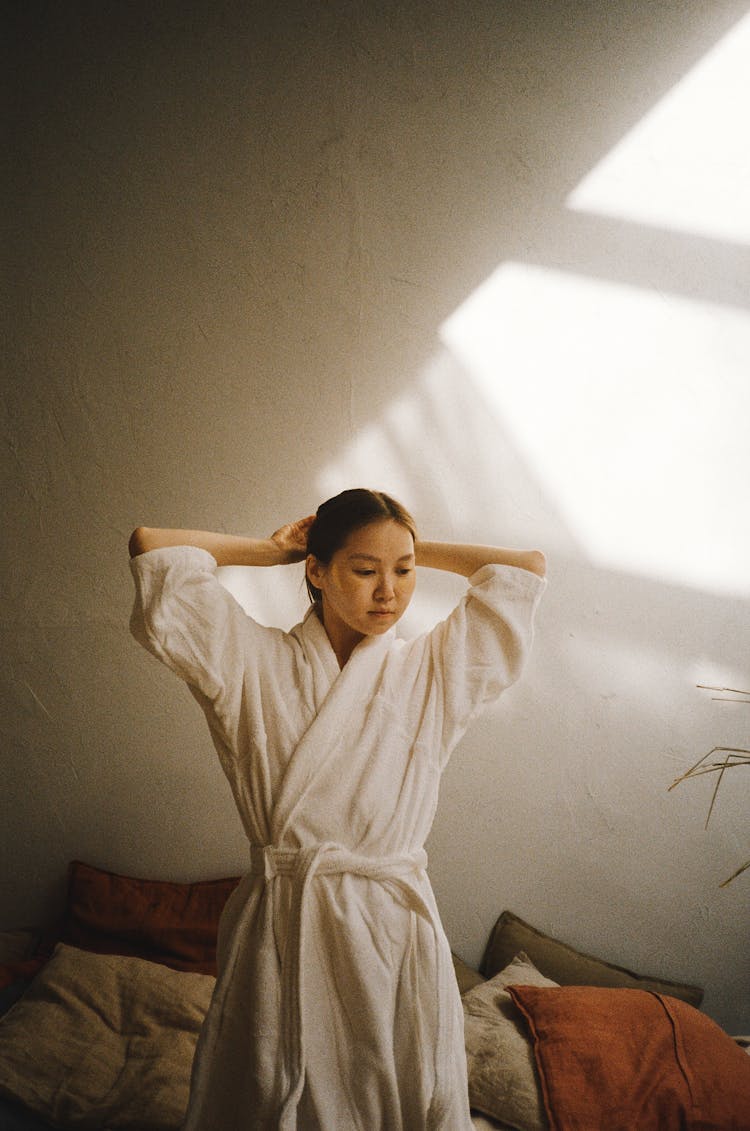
x=268, y=860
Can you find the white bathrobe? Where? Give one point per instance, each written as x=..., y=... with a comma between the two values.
x=336, y=1007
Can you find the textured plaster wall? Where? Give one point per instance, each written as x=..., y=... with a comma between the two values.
x=235, y=231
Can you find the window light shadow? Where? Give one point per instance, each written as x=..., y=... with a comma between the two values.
x=685, y=166
x=633, y=409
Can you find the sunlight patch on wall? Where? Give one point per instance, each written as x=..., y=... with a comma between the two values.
x=686, y=165
x=632, y=407
x=374, y=459
x=406, y=451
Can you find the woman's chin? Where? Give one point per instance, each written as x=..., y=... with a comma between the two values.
x=380, y=622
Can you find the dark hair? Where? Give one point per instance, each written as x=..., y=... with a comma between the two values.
x=351, y=510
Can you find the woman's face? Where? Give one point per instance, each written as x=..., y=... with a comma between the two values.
x=369, y=581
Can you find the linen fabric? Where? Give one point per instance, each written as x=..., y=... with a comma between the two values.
x=109, y=1041
x=161, y=920
x=164, y=921
x=503, y=1079
x=622, y=1059
x=336, y=1004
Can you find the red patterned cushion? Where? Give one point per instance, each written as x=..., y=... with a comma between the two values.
x=172, y=923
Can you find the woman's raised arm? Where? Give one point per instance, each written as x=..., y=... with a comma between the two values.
x=466, y=559
x=287, y=544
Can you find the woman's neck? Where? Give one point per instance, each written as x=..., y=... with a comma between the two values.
x=342, y=638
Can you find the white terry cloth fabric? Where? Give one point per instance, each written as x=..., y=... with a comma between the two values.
x=336, y=1005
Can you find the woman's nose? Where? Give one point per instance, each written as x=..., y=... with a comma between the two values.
x=384, y=589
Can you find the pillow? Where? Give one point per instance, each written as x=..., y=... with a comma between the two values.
x=172, y=923
x=16, y=946
x=503, y=1081
x=466, y=977
x=568, y=966
x=16, y=961
x=104, y=1041
x=622, y=1059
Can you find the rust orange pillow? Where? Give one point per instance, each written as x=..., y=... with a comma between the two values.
x=175, y=924
x=622, y=1059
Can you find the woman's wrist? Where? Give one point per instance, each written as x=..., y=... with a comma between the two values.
x=466, y=558
x=226, y=549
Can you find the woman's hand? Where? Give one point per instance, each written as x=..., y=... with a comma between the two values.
x=292, y=538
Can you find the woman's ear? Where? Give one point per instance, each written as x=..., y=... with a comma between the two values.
x=315, y=570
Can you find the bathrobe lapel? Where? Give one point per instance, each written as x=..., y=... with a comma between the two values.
x=341, y=698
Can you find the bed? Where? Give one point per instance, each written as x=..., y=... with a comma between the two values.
x=100, y=1015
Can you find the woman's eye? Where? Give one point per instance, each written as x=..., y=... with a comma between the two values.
x=364, y=572
x=404, y=571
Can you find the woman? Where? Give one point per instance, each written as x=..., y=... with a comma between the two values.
x=336, y=1006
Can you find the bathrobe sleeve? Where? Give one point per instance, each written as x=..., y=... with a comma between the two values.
x=481, y=648
x=189, y=621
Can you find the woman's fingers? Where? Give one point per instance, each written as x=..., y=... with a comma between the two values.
x=293, y=535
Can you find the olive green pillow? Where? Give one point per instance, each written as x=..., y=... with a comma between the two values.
x=466, y=976
x=567, y=966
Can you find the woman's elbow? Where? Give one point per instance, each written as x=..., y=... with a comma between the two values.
x=138, y=542
x=536, y=563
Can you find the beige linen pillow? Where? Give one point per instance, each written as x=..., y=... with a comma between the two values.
x=503, y=1080
x=104, y=1041
x=570, y=967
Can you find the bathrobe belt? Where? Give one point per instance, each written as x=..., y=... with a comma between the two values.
x=329, y=859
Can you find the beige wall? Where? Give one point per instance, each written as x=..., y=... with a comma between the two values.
x=237, y=232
